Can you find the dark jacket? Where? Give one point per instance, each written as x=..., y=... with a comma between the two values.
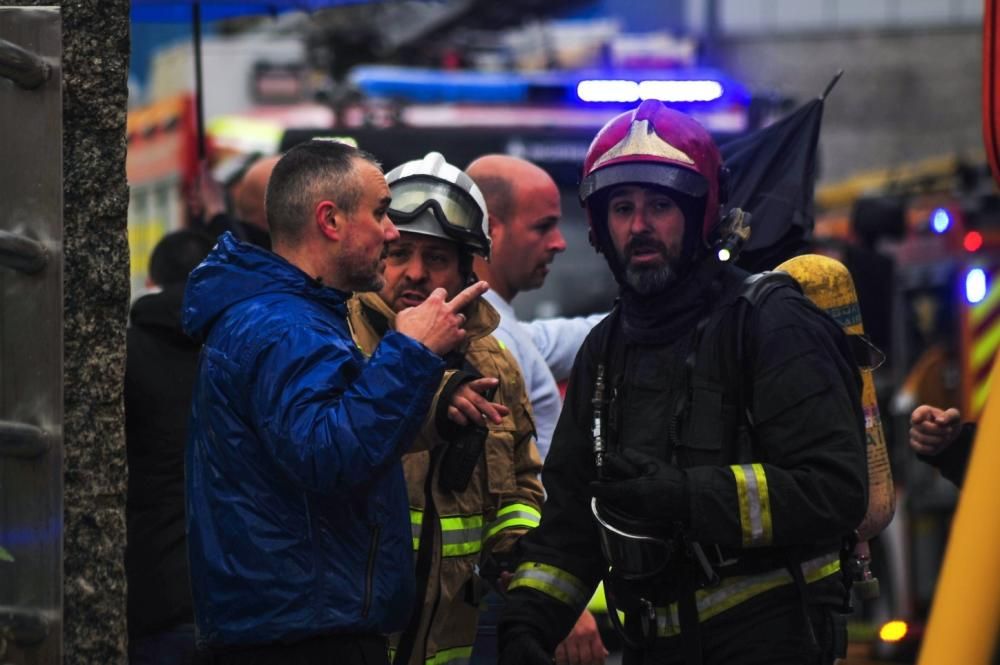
x=223, y=222
x=954, y=461
x=298, y=522
x=790, y=495
x=160, y=366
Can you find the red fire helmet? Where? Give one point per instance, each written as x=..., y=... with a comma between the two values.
x=653, y=145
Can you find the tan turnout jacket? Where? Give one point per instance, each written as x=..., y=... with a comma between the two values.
x=501, y=502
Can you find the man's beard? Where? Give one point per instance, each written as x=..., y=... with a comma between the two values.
x=643, y=279
x=647, y=280
x=361, y=275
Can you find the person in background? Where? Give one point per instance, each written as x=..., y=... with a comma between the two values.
x=248, y=220
x=473, y=487
x=160, y=367
x=941, y=439
x=298, y=528
x=524, y=212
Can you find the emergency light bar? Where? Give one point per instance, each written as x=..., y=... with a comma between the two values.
x=598, y=90
x=699, y=89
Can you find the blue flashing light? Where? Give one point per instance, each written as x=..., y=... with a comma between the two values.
x=940, y=220
x=975, y=285
x=428, y=86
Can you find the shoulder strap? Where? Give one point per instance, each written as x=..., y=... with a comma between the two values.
x=602, y=389
x=712, y=372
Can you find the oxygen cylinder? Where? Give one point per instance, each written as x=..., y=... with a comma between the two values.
x=828, y=283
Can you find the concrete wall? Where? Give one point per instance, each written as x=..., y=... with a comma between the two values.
x=905, y=95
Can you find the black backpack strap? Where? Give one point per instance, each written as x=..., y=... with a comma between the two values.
x=716, y=368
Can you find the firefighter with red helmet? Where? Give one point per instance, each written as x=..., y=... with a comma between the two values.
x=709, y=464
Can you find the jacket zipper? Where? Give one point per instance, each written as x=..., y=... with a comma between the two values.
x=370, y=572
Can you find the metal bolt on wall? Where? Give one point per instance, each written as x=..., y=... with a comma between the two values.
x=31, y=343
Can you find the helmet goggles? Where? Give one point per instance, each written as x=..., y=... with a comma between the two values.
x=420, y=201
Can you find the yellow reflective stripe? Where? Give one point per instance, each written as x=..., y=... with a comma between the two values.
x=416, y=522
x=755, y=504
x=735, y=590
x=519, y=508
x=514, y=515
x=765, y=504
x=984, y=307
x=551, y=581
x=985, y=346
x=980, y=394
x=502, y=345
x=461, y=522
x=454, y=656
x=598, y=602
x=461, y=535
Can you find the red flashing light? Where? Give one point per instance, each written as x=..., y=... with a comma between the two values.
x=973, y=241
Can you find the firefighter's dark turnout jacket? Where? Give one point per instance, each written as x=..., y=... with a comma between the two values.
x=790, y=495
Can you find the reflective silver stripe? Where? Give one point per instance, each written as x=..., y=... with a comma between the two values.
x=735, y=590
x=460, y=535
x=754, y=502
x=460, y=542
x=552, y=581
x=511, y=516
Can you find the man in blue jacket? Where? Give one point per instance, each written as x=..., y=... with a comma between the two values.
x=299, y=533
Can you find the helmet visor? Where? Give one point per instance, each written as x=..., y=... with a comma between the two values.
x=659, y=174
x=453, y=208
x=631, y=554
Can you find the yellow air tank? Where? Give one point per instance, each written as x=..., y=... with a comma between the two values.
x=827, y=283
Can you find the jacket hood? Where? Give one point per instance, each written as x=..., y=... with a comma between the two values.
x=235, y=271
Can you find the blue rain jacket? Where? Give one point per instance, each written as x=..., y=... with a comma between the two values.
x=298, y=522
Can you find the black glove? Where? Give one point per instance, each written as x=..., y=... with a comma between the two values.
x=519, y=645
x=643, y=486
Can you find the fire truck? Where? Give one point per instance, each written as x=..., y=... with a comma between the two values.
x=937, y=226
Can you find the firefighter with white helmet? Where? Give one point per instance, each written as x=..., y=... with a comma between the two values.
x=710, y=460
x=472, y=480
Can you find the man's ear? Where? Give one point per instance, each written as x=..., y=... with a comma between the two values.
x=329, y=219
x=494, y=225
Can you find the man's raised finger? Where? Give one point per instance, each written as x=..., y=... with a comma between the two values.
x=467, y=295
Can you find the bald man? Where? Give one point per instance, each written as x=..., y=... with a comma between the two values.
x=248, y=193
x=248, y=221
x=525, y=207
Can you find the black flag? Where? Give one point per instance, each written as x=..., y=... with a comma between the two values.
x=773, y=177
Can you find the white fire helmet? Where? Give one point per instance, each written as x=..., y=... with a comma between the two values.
x=432, y=197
